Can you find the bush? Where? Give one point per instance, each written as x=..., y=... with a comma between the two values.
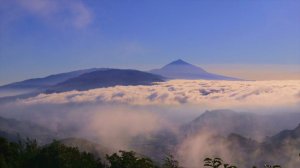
x=129, y=160
x=30, y=155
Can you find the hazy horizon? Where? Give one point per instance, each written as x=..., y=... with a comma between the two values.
x=43, y=37
x=242, y=71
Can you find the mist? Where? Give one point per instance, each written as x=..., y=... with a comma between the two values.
x=128, y=117
x=14, y=92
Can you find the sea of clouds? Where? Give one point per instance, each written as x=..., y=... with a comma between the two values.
x=115, y=116
x=216, y=94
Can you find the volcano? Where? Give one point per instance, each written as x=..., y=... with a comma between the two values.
x=180, y=69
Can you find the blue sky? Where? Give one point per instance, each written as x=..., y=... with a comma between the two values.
x=41, y=37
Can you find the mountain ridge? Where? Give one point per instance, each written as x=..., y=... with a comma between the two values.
x=48, y=80
x=107, y=78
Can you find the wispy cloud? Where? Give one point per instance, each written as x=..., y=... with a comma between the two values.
x=61, y=12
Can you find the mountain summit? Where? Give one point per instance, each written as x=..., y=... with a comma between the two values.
x=180, y=69
x=179, y=62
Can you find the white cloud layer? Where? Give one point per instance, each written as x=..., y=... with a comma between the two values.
x=216, y=94
x=130, y=117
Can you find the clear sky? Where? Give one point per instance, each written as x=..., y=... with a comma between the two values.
x=42, y=37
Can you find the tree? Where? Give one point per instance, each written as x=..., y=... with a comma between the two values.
x=9, y=154
x=30, y=155
x=129, y=160
x=170, y=162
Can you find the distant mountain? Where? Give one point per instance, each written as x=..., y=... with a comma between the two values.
x=46, y=81
x=282, y=148
x=86, y=146
x=180, y=69
x=16, y=130
x=36, y=84
x=286, y=136
x=107, y=78
x=257, y=126
x=221, y=121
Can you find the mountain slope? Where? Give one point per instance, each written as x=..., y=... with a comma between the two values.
x=249, y=152
x=46, y=81
x=246, y=124
x=39, y=84
x=282, y=148
x=86, y=146
x=107, y=78
x=15, y=130
x=180, y=69
x=286, y=136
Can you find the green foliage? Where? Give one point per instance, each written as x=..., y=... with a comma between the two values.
x=9, y=154
x=216, y=163
x=170, y=162
x=219, y=163
x=129, y=160
x=30, y=155
x=59, y=155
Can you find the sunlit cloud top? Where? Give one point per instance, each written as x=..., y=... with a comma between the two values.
x=222, y=94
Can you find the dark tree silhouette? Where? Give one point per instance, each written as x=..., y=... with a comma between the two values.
x=170, y=162
x=30, y=155
x=129, y=160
